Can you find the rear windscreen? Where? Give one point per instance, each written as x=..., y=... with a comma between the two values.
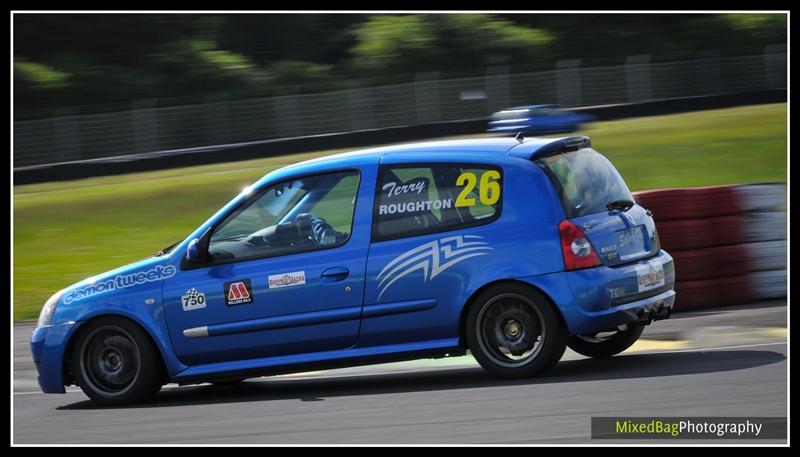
x=586, y=181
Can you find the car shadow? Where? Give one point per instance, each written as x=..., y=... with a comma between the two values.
x=318, y=388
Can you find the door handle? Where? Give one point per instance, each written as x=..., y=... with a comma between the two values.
x=335, y=274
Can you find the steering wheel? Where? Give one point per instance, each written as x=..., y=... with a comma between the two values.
x=317, y=229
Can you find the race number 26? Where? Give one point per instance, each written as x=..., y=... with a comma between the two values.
x=488, y=188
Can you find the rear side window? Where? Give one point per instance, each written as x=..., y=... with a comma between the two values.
x=586, y=181
x=420, y=199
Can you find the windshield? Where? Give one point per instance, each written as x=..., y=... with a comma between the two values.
x=166, y=250
x=586, y=181
x=263, y=212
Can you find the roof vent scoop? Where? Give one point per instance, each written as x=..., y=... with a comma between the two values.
x=519, y=137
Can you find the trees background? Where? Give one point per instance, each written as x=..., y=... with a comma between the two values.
x=100, y=60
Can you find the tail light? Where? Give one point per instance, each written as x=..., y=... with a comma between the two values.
x=578, y=251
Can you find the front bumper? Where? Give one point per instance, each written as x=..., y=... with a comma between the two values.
x=48, y=345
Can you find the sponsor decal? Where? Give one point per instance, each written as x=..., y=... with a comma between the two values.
x=392, y=189
x=615, y=292
x=414, y=207
x=193, y=299
x=294, y=278
x=238, y=292
x=121, y=281
x=432, y=258
x=650, y=276
x=610, y=251
x=488, y=188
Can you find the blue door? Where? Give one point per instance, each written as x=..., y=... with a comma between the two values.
x=432, y=233
x=285, y=274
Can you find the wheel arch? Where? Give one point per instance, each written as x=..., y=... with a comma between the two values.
x=462, y=320
x=69, y=377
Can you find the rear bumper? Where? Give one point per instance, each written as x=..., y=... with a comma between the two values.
x=643, y=312
x=603, y=298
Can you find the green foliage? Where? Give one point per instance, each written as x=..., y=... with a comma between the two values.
x=391, y=41
x=199, y=61
x=38, y=76
x=90, y=59
x=391, y=44
x=291, y=72
x=479, y=39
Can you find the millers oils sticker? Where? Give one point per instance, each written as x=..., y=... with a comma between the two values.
x=238, y=292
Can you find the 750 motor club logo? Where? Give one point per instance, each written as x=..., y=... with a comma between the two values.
x=193, y=299
x=238, y=292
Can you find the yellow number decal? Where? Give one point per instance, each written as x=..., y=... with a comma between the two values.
x=488, y=192
x=490, y=188
x=468, y=180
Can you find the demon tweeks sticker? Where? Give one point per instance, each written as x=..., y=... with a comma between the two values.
x=121, y=281
x=294, y=278
x=238, y=292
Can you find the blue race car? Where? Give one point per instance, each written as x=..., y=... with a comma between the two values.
x=513, y=249
x=536, y=119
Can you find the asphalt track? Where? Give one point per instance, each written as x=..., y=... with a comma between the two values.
x=720, y=362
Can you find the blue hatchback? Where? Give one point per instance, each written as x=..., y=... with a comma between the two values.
x=537, y=119
x=513, y=249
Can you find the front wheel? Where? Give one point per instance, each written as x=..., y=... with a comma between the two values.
x=514, y=331
x=607, y=344
x=115, y=362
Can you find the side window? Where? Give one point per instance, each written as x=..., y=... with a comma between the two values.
x=415, y=200
x=298, y=215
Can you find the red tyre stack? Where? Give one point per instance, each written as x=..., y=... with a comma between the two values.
x=725, y=240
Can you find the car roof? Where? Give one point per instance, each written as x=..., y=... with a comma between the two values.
x=497, y=149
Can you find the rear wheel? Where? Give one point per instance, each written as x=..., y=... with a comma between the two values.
x=606, y=344
x=115, y=362
x=514, y=331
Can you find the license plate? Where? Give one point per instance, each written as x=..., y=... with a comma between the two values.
x=650, y=276
x=630, y=241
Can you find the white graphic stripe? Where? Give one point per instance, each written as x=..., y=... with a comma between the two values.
x=431, y=245
x=406, y=263
x=428, y=258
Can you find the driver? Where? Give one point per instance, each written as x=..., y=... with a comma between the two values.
x=320, y=231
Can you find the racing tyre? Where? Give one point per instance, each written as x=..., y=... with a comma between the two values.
x=116, y=363
x=514, y=331
x=601, y=345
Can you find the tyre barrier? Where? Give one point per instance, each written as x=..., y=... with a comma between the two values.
x=762, y=197
x=700, y=233
x=766, y=255
x=690, y=204
x=764, y=227
x=728, y=242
